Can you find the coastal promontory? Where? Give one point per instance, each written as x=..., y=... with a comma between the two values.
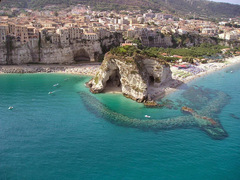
x=133, y=73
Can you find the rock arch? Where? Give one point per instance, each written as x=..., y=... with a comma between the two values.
x=151, y=80
x=81, y=55
x=114, y=81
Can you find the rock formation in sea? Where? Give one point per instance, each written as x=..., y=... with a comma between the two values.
x=211, y=127
x=137, y=76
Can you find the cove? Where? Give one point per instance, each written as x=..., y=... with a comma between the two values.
x=60, y=136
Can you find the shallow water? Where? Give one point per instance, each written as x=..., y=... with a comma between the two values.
x=56, y=136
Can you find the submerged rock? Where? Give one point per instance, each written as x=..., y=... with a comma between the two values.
x=234, y=116
x=214, y=130
x=196, y=115
x=137, y=77
x=152, y=104
x=188, y=110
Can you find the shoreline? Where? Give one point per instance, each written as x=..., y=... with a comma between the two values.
x=180, y=77
x=208, y=68
x=80, y=69
x=218, y=66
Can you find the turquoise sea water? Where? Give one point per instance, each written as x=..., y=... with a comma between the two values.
x=56, y=136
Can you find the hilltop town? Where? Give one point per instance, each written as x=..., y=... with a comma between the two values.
x=81, y=23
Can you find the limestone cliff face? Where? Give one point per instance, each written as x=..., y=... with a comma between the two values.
x=48, y=53
x=45, y=52
x=111, y=40
x=134, y=76
x=3, y=54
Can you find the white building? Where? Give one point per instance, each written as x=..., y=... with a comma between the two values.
x=233, y=35
x=64, y=35
x=182, y=31
x=90, y=36
x=75, y=33
x=209, y=31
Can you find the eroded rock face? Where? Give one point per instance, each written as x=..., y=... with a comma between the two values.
x=134, y=76
x=48, y=53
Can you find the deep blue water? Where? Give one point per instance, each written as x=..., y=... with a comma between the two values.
x=56, y=137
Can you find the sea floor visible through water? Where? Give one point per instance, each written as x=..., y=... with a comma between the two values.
x=56, y=136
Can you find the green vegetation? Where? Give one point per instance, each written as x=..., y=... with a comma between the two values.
x=132, y=50
x=202, y=50
x=125, y=51
x=203, y=8
x=181, y=40
x=138, y=42
x=188, y=54
x=96, y=79
x=236, y=49
x=134, y=72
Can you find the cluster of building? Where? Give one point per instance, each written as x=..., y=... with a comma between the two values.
x=50, y=29
x=81, y=23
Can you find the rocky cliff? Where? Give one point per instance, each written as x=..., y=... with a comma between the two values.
x=176, y=40
x=136, y=77
x=44, y=52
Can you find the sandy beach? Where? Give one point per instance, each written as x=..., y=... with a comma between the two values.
x=180, y=76
x=81, y=69
x=203, y=69
x=184, y=76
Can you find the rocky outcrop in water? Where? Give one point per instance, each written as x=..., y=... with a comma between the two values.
x=135, y=76
x=212, y=108
x=196, y=115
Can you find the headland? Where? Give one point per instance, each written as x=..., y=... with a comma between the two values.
x=145, y=77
